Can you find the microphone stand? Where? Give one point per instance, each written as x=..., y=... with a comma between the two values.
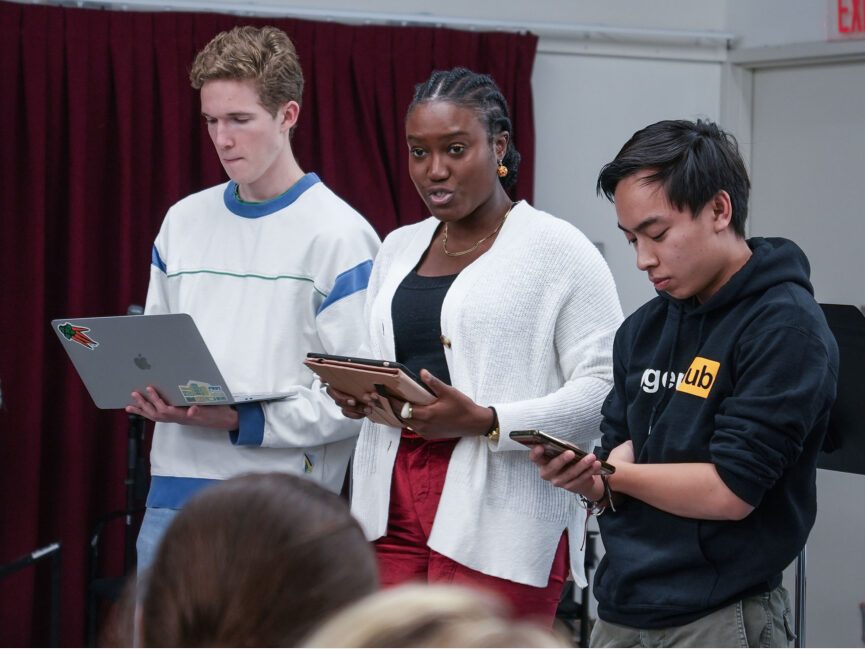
x=134, y=442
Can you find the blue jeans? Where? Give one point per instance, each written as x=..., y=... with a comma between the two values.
x=153, y=527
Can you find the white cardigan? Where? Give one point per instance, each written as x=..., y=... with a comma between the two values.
x=531, y=325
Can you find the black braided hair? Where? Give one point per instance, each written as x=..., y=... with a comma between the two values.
x=479, y=92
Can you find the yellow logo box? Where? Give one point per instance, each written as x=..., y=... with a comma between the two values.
x=700, y=377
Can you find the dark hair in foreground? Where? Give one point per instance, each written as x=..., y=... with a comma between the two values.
x=693, y=161
x=479, y=92
x=257, y=560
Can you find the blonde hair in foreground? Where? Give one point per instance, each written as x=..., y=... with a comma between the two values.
x=421, y=615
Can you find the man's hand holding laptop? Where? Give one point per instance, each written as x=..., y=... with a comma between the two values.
x=150, y=405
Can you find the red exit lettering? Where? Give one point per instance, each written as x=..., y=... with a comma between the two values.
x=851, y=16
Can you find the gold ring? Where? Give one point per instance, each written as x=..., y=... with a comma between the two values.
x=406, y=411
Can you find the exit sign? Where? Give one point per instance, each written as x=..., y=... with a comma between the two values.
x=846, y=19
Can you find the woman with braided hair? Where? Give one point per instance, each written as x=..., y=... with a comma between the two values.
x=508, y=315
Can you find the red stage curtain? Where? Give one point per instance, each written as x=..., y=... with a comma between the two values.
x=102, y=133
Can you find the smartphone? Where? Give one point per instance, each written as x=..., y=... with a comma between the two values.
x=554, y=446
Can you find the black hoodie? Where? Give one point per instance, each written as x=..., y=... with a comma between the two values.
x=744, y=381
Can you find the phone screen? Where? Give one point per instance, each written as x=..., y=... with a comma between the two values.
x=554, y=447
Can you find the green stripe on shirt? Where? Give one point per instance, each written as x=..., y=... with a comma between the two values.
x=245, y=275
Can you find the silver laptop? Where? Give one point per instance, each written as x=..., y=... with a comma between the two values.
x=117, y=355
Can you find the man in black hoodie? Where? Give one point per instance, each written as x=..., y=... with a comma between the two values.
x=723, y=386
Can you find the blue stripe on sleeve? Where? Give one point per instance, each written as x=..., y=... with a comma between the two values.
x=251, y=425
x=347, y=283
x=156, y=260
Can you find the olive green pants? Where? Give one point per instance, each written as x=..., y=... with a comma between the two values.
x=760, y=621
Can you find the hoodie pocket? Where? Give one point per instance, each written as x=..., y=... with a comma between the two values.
x=654, y=562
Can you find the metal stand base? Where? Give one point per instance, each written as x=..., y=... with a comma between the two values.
x=800, y=599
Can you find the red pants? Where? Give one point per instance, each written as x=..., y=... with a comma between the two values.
x=403, y=554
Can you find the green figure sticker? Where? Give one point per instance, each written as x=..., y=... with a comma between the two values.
x=77, y=335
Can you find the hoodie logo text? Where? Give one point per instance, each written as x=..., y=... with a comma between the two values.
x=654, y=379
x=700, y=377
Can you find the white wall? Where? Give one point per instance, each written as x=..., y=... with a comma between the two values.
x=760, y=23
x=808, y=163
x=656, y=14
x=586, y=107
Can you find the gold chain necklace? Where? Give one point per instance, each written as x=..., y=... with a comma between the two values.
x=478, y=242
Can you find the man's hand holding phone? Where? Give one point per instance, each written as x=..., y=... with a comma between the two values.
x=580, y=476
x=564, y=464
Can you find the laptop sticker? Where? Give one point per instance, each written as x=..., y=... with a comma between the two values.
x=77, y=335
x=202, y=392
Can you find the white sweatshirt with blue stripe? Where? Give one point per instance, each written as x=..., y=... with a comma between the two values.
x=265, y=283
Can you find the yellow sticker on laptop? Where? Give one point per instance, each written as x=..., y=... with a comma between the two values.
x=202, y=392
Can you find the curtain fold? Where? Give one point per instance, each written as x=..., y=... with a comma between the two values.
x=102, y=134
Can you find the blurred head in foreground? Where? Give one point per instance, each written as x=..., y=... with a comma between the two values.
x=422, y=615
x=257, y=560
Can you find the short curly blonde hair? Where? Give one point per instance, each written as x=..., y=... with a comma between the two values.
x=263, y=55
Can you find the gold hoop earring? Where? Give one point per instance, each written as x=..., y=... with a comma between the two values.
x=501, y=170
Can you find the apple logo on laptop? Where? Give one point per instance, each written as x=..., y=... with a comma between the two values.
x=141, y=362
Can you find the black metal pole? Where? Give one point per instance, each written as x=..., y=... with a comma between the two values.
x=135, y=436
x=589, y=563
x=54, y=629
x=92, y=567
x=27, y=559
x=800, y=599
x=134, y=440
x=52, y=550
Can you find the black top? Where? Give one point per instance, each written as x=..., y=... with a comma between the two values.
x=416, y=313
x=744, y=381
